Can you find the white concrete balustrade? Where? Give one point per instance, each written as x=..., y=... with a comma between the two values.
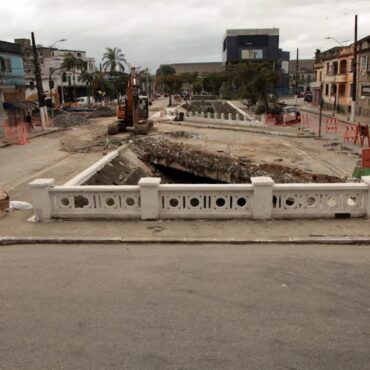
x=238, y=120
x=149, y=200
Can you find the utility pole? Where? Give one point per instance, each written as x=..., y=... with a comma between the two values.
x=354, y=82
x=40, y=91
x=296, y=80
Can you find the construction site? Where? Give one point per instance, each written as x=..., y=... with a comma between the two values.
x=186, y=152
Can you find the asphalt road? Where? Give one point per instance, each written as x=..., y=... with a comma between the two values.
x=184, y=307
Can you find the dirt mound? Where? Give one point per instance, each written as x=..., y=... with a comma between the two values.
x=219, y=167
x=70, y=120
x=102, y=112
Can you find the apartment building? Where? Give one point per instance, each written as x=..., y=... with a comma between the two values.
x=334, y=74
x=363, y=77
x=12, y=83
x=51, y=60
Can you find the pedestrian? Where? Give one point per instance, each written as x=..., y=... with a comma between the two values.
x=28, y=119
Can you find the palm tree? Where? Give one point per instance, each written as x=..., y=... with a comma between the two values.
x=114, y=59
x=90, y=79
x=71, y=63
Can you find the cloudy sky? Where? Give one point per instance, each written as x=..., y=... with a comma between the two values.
x=151, y=32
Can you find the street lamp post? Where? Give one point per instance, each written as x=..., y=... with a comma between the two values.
x=60, y=40
x=333, y=38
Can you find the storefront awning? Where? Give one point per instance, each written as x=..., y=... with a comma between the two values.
x=20, y=104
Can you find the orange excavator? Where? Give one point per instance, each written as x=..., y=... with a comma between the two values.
x=133, y=111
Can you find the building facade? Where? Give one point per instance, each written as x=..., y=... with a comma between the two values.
x=51, y=60
x=12, y=82
x=305, y=75
x=363, y=77
x=240, y=45
x=334, y=75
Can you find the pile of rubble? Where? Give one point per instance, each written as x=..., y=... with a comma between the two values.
x=69, y=120
x=218, y=167
x=102, y=112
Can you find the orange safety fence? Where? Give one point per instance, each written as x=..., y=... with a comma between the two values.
x=350, y=133
x=305, y=120
x=331, y=124
x=16, y=134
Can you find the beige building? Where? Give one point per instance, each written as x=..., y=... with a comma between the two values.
x=363, y=77
x=333, y=76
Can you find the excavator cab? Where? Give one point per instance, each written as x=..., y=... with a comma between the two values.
x=133, y=111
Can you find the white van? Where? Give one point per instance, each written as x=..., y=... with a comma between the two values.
x=83, y=101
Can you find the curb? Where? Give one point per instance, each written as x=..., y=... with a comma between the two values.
x=341, y=240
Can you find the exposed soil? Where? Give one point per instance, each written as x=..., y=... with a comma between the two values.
x=223, y=168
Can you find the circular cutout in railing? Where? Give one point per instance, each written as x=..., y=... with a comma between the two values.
x=194, y=202
x=65, y=202
x=220, y=202
x=331, y=201
x=290, y=202
x=110, y=202
x=311, y=201
x=241, y=202
x=174, y=202
x=352, y=201
x=130, y=202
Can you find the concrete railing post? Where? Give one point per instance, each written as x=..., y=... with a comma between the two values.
x=237, y=117
x=230, y=116
x=262, y=197
x=222, y=116
x=41, y=198
x=209, y=115
x=201, y=114
x=366, y=180
x=149, y=187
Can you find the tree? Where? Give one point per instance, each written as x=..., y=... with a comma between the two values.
x=165, y=70
x=72, y=63
x=213, y=82
x=250, y=80
x=114, y=60
x=171, y=84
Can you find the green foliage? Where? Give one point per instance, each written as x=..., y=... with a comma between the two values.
x=213, y=83
x=165, y=70
x=114, y=60
x=253, y=81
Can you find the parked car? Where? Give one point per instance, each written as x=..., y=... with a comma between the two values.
x=83, y=101
x=286, y=114
x=308, y=97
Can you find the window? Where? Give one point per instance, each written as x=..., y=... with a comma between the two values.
x=342, y=90
x=5, y=65
x=79, y=55
x=343, y=66
x=320, y=76
x=363, y=63
x=326, y=89
x=335, y=68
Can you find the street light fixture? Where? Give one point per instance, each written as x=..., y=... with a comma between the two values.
x=60, y=40
x=333, y=38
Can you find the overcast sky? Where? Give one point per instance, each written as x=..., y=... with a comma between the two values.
x=151, y=32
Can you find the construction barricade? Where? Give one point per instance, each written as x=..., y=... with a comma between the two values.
x=331, y=125
x=362, y=133
x=16, y=134
x=350, y=133
x=305, y=120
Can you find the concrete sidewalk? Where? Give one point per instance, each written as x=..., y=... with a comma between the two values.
x=15, y=224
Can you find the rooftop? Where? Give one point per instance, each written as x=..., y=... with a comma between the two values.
x=252, y=32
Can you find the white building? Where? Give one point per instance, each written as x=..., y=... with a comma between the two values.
x=51, y=60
